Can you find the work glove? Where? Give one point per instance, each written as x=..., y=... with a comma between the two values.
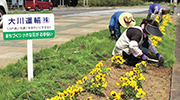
x=144, y=57
x=153, y=16
x=159, y=56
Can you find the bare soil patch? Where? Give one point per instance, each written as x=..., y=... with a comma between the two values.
x=156, y=85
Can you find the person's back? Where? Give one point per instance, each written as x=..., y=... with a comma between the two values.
x=154, y=10
x=120, y=18
x=155, y=7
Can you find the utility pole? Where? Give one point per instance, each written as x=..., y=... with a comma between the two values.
x=61, y=3
x=85, y=4
x=175, y=6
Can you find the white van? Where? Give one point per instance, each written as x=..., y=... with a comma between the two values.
x=3, y=10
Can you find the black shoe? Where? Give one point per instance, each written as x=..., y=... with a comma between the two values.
x=114, y=38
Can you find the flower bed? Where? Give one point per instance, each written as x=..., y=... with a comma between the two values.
x=114, y=81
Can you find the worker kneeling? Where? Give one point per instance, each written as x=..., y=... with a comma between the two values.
x=134, y=44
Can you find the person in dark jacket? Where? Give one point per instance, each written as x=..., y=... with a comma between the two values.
x=134, y=44
x=120, y=18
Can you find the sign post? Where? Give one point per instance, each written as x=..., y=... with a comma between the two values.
x=28, y=27
x=30, y=59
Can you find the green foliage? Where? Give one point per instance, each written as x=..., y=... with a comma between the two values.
x=166, y=47
x=92, y=3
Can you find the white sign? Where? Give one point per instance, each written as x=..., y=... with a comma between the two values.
x=28, y=26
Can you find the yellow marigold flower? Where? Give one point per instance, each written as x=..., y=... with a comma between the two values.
x=121, y=78
x=117, y=84
x=98, y=66
x=69, y=89
x=92, y=80
x=139, y=89
x=97, y=77
x=141, y=77
x=140, y=94
x=100, y=63
x=118, y=62
x=75, y=87
x=163, y=33
x=103, y=79
x=92, y=86
x=112, y=60
x=98, y=70
x=117, y=54
x=59, y=94
x=71, y=94
x=144, y=63
x=157, y=19
x=104, y=84
x=136, y=87
x=138, y=64
x=109, y=69
x=89, y=98
x=162, y=29
x=127, y=74
x=155, y=45
x=76, y=91
x=94, y=70
x=98, y=85
x=135, y=77
x=91, y=73
x=113, y=93
x=131, y=78
x=54, y=98
x=118, y=97
x=133, y=84
x=79, y=82
x=80, y=89
x=84, y=79
x=100, y=74
x=125, y=82
x=134, y=69
x=65, y=93
x=131, y=73
x=119, y=94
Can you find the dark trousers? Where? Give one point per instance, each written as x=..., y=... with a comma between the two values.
x=131, y=60
x=149, y=16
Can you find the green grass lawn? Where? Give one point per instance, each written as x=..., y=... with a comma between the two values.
x=70, y=64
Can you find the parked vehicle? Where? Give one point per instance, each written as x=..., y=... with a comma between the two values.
x=3, y=10
x=38, y=4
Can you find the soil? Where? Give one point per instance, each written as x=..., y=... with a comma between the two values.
x=156, y=85
x=157, y=82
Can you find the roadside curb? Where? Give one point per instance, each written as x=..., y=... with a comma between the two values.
x=175, y=80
